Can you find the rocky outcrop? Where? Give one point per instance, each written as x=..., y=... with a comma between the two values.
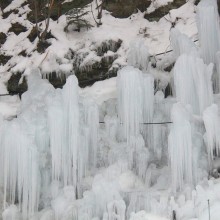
x=125, y=8
x=162, y=11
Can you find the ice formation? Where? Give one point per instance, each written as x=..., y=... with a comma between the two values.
x=181, y=43
x=48, y=125
x=67, y=157
x=209, y=29
x=138, y=55
x=192, y=80
x=135, y=100
x=180, y=148
x=212, y=125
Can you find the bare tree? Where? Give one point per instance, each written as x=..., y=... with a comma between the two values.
x=38, y=6
x=99, y=8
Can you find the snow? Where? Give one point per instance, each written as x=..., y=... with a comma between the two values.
x=156, y=39
x=15, y=4
x=157, y=4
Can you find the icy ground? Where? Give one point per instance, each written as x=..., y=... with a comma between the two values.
x=93, y=153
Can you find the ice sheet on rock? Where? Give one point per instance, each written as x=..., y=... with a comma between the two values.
x=192, y=80
x=180, y=148
x=209, y=29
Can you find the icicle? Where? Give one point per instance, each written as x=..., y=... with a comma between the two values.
x=212, y=126
x=71, y=130
x=180, y=148
x=148, y=95
x=209, y=30
x=130, y=100
x=21, y=172
x=138, y=55
x=217, y=75
x=192, y=80
x=181, y=43
x=111, y=127
x=91, y=117
x=55, y=122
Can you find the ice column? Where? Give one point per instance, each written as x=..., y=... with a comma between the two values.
x=55, y=122
x=138, y=55
x=217, y=76
x=180, y=148
x=212, y=126
x=130, y=100
x=209, y=31
x=181, y=43
x=91, y=119
x=192, y=80
x=71, y=129
x=148, y=96
x=21, y=173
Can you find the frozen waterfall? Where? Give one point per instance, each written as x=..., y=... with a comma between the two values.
x=68, y=155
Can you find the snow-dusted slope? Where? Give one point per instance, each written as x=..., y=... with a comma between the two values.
x=78, y=52
x=54, y=59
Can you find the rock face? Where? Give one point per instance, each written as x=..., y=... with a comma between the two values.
x=14, y=86
x=99, y=70
x=17, y=28
x=162, y=11
x=125, y=8
x=3, y=38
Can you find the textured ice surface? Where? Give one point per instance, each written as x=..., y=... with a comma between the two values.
x=135, y=100
x=192, y=80
x=209, y=30
x=181, y=43
x=138, y=55
x=180, y=148
x=59, y=163
x=212, y=125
